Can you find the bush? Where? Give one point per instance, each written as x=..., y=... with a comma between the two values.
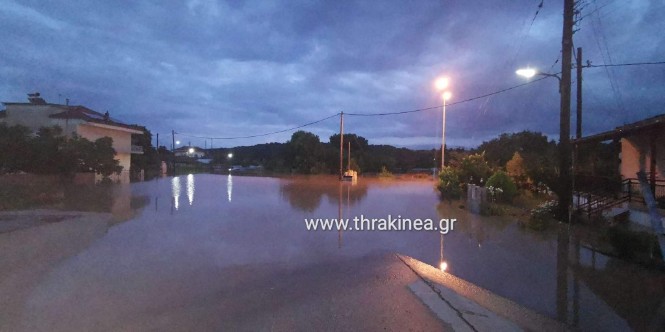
x=385, y=173
x=474, y=169
x=492, y=209
x=631, y=244
x=449, y=183
x=542, y=215
x=502, y=186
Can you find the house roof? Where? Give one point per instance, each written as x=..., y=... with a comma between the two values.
x=79, y=112
x=655, y=122
x=86, y=114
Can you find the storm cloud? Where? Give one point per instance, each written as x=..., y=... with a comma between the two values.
x=237, y=68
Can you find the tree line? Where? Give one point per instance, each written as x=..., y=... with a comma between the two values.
x=305, y=153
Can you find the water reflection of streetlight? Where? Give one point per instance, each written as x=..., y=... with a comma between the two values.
x=229, y=186
x=175, y=191
x=443, y=265
x=190, y=188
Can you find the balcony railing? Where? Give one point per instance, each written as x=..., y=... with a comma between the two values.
x=137, y=149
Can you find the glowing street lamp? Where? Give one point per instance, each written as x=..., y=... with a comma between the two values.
x=441, y=85
x=177, y=142
x=230, y=155
x=530, y=72
x=191, y=150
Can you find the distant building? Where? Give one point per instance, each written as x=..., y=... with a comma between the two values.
x=86, y=123
x=189, y=151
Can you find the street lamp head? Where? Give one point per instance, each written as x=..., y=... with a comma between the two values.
x=526, y=72
x=191, y=150
x=177, y=142
x=442, y=83
x=230, y=155
x=446, y=95
x=443, y=266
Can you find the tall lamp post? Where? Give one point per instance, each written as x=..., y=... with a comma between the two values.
x=565, y=198
x=442, y=85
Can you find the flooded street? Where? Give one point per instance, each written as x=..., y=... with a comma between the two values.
x=199, y=239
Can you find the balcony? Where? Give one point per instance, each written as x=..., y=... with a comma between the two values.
x=137, y=149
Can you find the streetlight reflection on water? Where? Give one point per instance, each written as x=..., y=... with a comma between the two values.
x=229, y=186
x=443, y=265
x=190, y=188
x=175, y=191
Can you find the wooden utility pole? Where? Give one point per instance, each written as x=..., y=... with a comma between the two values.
x=341, y=145
x=565, y=195
x=578, y=123
x=348, y=161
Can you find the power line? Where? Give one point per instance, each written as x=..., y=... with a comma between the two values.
x=628, y=64
x=261, y=135
x=451, y=104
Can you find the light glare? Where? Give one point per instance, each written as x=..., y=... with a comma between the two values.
x=442, y=83
x=443, y=266
x=446, y=95
x=526, y=72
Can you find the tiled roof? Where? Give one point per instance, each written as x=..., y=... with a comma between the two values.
x=86, y=114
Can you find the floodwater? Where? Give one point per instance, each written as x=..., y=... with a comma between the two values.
x=189, y=228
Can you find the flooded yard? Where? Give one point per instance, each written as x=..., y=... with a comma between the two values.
x=193, y=234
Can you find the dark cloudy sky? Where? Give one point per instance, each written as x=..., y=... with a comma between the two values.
x=235, y=68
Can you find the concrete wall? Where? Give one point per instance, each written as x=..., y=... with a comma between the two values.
x=37, y=116
x=32, y=116
x=122, y=141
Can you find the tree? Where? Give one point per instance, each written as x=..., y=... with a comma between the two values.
x=46, y=156
x=474, y=169
x=15, y=151
x=304, y=153
x=150, y=159
x=516, y=169
x=449, y=183
x=103, y=157
x=502, y=180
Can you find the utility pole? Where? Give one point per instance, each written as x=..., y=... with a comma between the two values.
x=565, y=195
x=578, y=123
x=348, y=161
x=341, y=146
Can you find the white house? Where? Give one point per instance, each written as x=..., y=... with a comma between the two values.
x=86, y=123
